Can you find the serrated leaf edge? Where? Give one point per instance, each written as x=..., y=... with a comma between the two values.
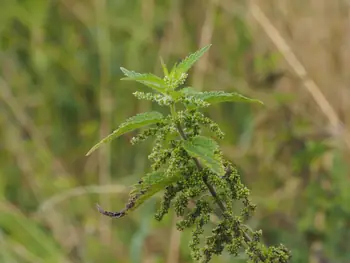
x=128, y=121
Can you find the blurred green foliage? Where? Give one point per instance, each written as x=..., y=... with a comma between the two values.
x=59, y=82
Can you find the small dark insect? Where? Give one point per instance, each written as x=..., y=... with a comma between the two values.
x=121, y=213
x=111, y=214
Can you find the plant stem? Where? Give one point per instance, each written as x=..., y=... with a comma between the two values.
x=211, y=189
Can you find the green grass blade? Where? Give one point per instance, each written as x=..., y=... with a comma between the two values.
x=30, y=234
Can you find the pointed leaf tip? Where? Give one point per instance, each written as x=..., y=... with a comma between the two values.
x=147, y=79
x=189, y=61
x=138, y=121
x=164, y=67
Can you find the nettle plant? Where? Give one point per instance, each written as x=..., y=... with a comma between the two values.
x=190, y=168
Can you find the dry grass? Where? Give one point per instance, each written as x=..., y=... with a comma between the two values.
x=312, y=36
x=336, y=125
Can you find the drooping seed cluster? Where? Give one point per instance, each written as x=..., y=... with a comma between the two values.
x=190, y=199
x=168, y=154
x=189, y=195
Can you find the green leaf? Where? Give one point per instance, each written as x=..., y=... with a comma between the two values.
x=165, y=69
x=213, y=97
x=221, y=96
x=148, y=79
x=204, y=149
x=189, y=91
x=135, y=122
x=151, y=184
x=188, y=62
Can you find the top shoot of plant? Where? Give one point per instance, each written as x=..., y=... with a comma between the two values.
x=190, y=167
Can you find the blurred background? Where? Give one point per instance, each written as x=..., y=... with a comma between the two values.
x=60, y=93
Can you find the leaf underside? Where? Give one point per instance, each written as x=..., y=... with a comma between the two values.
x=149, y=185
x=135, y=122
x=204, y=148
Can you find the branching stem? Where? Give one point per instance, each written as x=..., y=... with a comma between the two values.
x=246, y=236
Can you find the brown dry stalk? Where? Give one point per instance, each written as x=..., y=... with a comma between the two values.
x=310, y=85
